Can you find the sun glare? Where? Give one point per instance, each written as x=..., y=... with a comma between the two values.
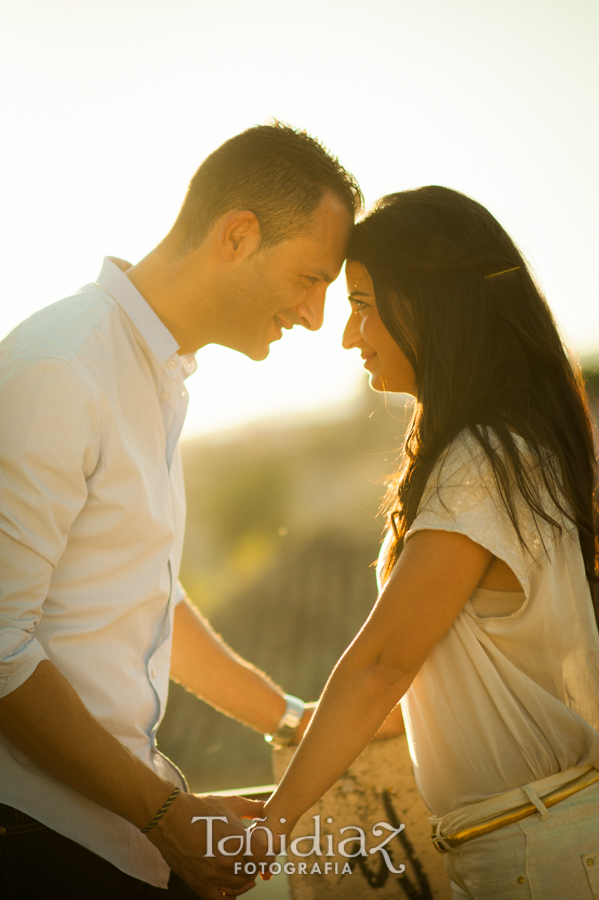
x=113, y=106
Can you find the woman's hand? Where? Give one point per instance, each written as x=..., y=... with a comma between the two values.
x=271, y=831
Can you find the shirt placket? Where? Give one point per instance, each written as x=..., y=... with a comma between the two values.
x=174, y=399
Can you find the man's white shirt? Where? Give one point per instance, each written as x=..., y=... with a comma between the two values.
x=92, y=510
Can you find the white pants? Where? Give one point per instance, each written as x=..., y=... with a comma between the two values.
x=551, y=858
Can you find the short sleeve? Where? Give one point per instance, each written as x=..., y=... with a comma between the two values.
x=179, y=593
x=48, y=447
x=462, y=496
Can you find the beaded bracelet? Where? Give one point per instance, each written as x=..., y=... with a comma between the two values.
x=161, y=811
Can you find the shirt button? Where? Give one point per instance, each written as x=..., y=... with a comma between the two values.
x=521, y=880
x=172, y=364
x=153, y=673
x=590, y=862
x=165, y=395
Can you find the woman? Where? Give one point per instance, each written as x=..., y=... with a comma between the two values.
x=484, y=627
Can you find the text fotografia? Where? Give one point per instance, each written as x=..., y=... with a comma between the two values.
x=290, y=868
x=351, y=846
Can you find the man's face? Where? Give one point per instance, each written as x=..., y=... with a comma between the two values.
x=285, y=285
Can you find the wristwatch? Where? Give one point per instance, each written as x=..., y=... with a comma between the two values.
x=289, y=724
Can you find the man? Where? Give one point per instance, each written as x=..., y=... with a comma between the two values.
x=92, y=398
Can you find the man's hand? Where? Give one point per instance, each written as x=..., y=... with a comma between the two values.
x=192, y=849
x=392, y=726
x=47, y=721
x=306, y=718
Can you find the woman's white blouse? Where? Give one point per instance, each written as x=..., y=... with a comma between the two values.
x=510, y=694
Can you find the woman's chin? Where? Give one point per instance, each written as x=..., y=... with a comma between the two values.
x=385, y=387
x=375, y=383
x=379, y=385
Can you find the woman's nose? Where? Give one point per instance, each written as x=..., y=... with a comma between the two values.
x=351, y=333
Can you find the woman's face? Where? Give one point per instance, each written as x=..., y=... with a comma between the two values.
x=388, y=366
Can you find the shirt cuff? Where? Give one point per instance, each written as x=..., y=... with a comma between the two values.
x=31, y=655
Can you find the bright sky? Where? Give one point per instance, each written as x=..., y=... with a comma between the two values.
x=109, y=106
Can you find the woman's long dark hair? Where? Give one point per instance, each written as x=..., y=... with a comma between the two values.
x=485, y=351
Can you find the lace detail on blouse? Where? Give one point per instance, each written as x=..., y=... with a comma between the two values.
x=462, y=495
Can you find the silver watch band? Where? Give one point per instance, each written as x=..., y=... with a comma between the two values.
x=289, y=724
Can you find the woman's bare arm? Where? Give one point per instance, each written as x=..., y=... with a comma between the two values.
x=431, y=582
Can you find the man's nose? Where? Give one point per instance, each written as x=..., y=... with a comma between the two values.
x=311, y=311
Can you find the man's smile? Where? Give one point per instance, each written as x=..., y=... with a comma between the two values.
x=283, y=323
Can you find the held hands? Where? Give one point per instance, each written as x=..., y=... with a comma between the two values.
x=277, y=831
x=272, y=814
x=192, y=849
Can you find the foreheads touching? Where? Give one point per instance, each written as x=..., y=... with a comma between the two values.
x=277, y=172
x=262, y=232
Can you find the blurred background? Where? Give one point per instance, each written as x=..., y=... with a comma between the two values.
x=281, y=540
x=107, y=110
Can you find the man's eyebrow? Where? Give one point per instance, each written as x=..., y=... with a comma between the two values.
x=324, y=275
x=357, y=294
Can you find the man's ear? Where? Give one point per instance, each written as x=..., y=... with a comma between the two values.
x=239, y=235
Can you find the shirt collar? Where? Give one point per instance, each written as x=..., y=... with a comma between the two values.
x=157, y=336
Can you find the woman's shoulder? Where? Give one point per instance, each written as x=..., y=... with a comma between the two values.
x=470, y=455
x=478, y=477
x=463, y=461
x=459, y=473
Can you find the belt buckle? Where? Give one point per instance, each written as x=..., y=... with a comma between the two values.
x=437, y=844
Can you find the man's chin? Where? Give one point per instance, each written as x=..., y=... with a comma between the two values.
x=253, y=352
x=258, y=353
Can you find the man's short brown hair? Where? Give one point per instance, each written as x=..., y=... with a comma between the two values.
x=279, y=173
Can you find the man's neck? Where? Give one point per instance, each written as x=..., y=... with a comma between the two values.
x=174, y=290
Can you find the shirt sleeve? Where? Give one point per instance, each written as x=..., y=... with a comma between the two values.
x=48, y=448
x=462, y=496
x=179, y=593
